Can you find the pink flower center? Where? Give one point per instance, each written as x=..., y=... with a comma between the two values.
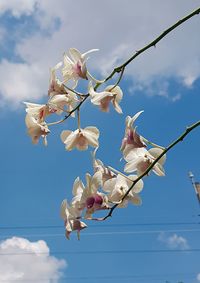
x=94, y=200
x=81, y=140
x=79, y=71
x=105, y=103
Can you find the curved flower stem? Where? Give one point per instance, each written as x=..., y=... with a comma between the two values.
x=79, y=121
x=179, y=139
x=49, y=103
x=93, y=79
x=122, y=67
x=153, y=43
x=70, y=112
x=119, y=79
x=152, y=143
x=72, y=90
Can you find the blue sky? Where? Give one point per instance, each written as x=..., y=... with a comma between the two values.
x=35, y=179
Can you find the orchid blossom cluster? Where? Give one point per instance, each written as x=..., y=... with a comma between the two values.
x=61, y=99
x=106, y=186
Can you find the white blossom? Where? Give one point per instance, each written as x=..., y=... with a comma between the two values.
x=117, y=187
x=38, y=111
x=36, y=129
x=111, y=93
x=88, y=197
x=58, y=102
x=71, y=216
x=75, y=67
x=80, y=138
x=140, y=161
x=132, y=140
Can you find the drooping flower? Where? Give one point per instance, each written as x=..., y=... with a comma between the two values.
x=117, y=187
x=71, y=216
x=55, y=85
x=88, y=198
x=91, y=199
x=38, y=111
x=80, y=138
x=104, y=171
x=58, y=102
x=132, y=140
x=141, y=160
x=111, y=94
x=36, y=129
x=75, y=67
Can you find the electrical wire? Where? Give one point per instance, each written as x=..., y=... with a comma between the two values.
x=101, y=225
x=109, y=233
x=97, y=252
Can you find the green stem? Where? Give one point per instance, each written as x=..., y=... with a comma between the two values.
x=152, y=143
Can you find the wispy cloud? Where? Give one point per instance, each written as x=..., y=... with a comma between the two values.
x=25, y=260
x=18, y=7
x=117, y=35
x=173, y=241
x=198, y=277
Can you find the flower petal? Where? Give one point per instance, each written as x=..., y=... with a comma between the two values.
x=64, y=135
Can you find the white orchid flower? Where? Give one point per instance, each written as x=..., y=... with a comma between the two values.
x=104, y=171
x=71, y=216
x=88, y=197
x=140, y=161
x=58, y=102
x=111, y=93
x=75, y=67
x=117, y=188
x=55, y=85
x=38, y=111
x=132, y=140
x=36, y=129
x=92, y=199
x=81, y=138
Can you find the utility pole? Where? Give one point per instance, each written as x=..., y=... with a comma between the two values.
x=196, y=186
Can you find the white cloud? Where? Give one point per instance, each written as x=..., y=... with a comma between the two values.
x=34, y=263
x=18, y=7
x=198, y=277
x=21, y=81
x=174, y=241
x=118, y=29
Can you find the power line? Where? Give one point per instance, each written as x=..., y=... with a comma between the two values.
x=99, y=226
x=96, y=252
x=110, y=233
